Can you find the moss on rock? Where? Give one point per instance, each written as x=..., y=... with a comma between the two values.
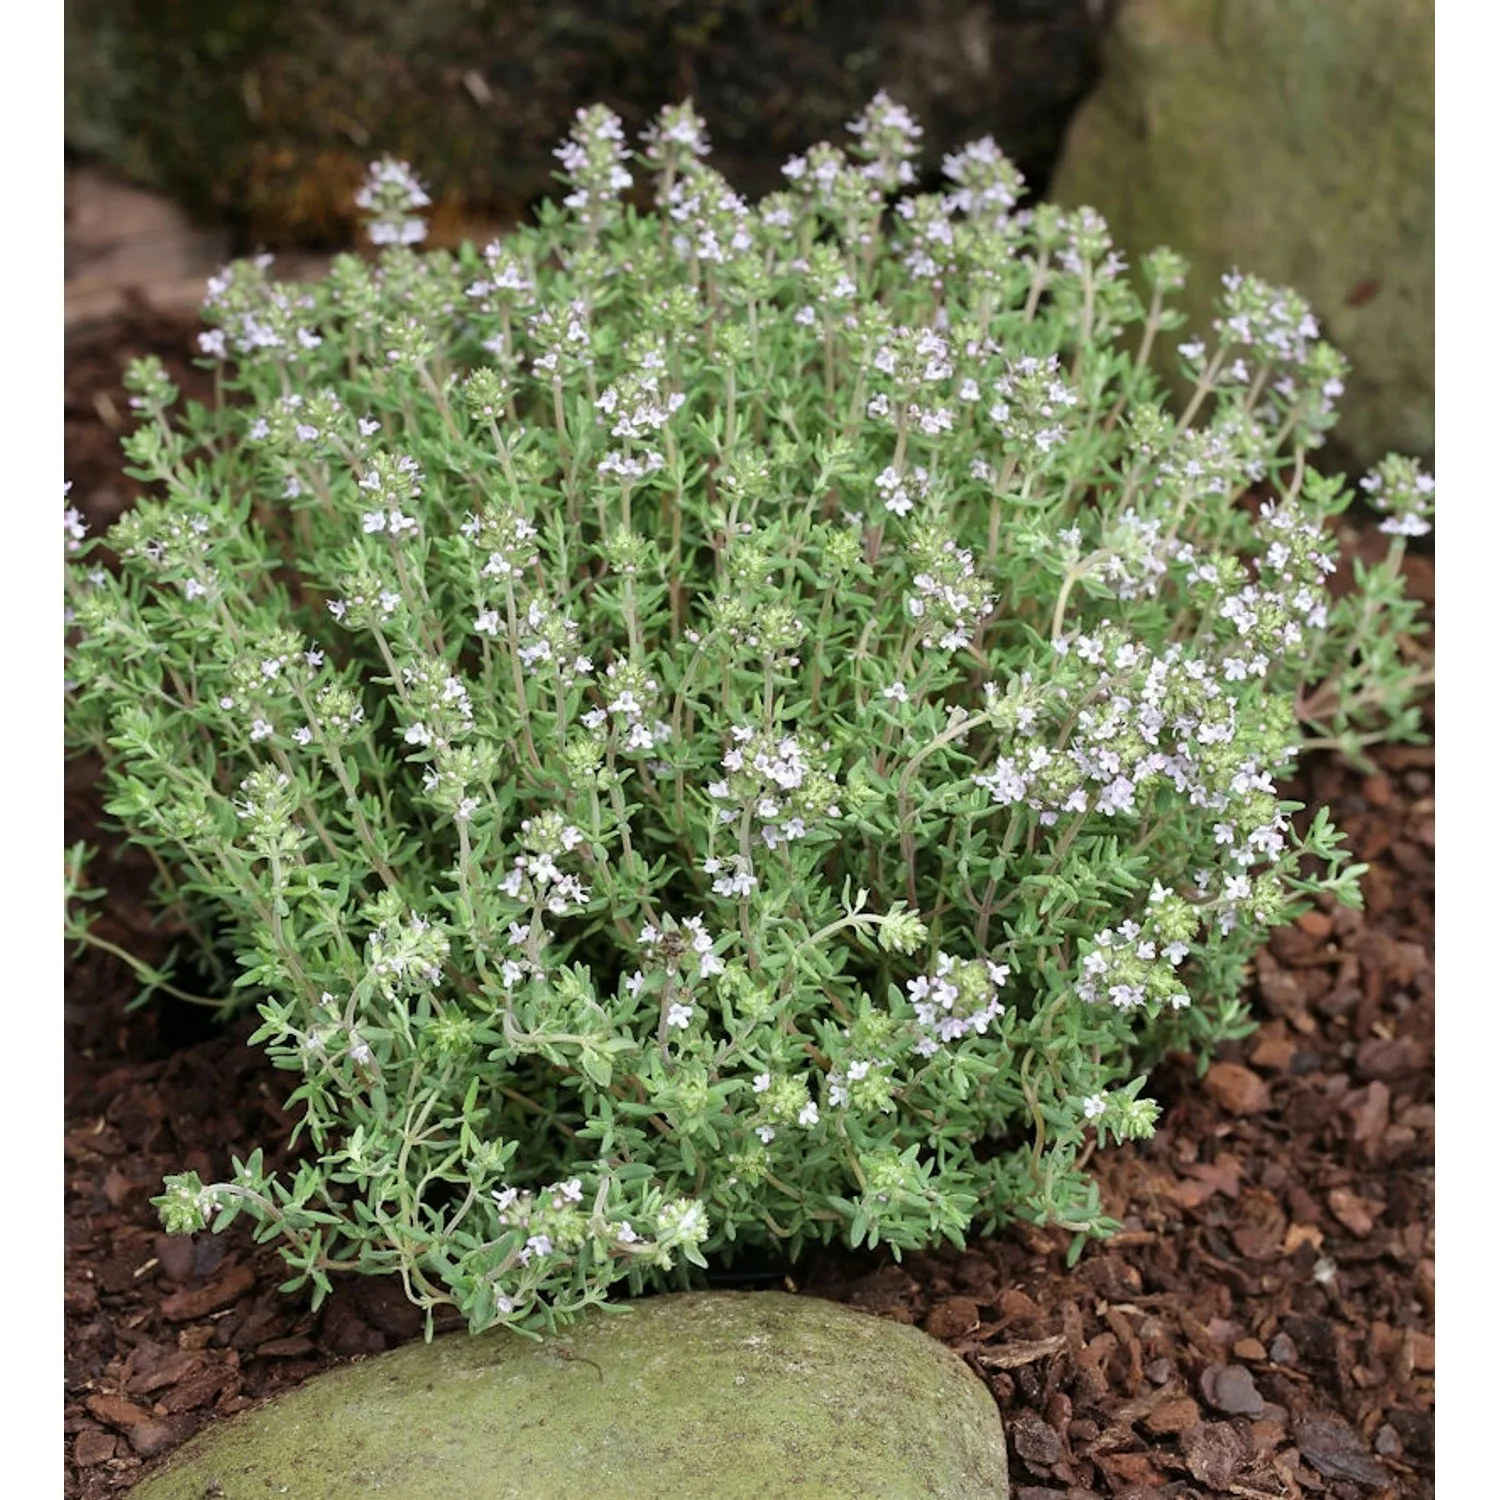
x=718, y=1396
x=1294, y=139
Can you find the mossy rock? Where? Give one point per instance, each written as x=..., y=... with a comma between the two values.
x=713, y=1395
x=266, y=111
x=1293, y=139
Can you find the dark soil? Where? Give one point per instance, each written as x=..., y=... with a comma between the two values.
x=1261, y=1328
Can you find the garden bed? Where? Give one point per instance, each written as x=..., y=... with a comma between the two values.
x=1261, y=1327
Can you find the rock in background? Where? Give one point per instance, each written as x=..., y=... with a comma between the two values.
x=264, y=112
x=1293, y=139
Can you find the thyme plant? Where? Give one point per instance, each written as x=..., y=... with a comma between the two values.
x=707, y=725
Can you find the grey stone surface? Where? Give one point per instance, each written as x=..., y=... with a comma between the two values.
x=1294, y=139
x=712, y=1396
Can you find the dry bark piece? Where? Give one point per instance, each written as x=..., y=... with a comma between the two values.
x=1214, y=1453
x=1337, y=1451
x=1356, y=1214
x=1012, y=1356
x=952, y=1318
x=1177, y=1415
x=202, y=1390
x=290, y=1348
x=1236, y=1089
x=1318, y=925
x=117, y=1411
x=1034, y=1440
x=155, y=1437
x=185, y=1307
x=92, y=1446
x=174, y=1254
x=1231, y=1389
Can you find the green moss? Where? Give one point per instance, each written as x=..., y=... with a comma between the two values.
x=716, y=1396
x=1293, y=139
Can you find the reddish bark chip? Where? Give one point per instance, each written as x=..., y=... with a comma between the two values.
x=952, y=1318
x=1237, y=1090
x=183, y=1307
x=1177, y=1415
x=1318, y=925
x=1356, y=1214
x=117, y=1412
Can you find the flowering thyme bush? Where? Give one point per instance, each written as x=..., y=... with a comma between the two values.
x=727, y=726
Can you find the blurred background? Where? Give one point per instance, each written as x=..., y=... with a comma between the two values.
x=1290, y=138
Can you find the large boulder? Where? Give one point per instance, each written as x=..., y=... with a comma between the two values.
x=1293, y=139
x=268, y=110
x=718, y=1396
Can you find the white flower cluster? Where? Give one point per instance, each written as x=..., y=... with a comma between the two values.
x=773, y=785
x=536, y=879
x=733, y=877
x=364, y=601
x=1402, y=493
x=1089, y=248
x=1273, y=617
x=564, y=342
x=989, y=185
x=930, y=240
x=915, y=361
x=887, y=138
x=816, y=173
x=391, y=197
x=947, y=597
x=266, y=807
x=960, y=997
x=865, y=1081
x=593, y=160
x=898, y=492
x=437, y=703
x=676, y=130
x=1144, y=720
x=408, y=956
x=548, y=637
x=1124, y=963
x=628, y=714
x=639, y=410
x=1033, y=402
x=711, y=224
x=1137, y=962
x=508, y=539
x=391, y=483
x=1137, y=556
x=505, y=285
x=257, y=318
x=783, y=1101
x=1274, y=324
x=671, y=945
x=75, y=528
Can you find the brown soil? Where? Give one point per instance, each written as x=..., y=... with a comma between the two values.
x=1261, y=1328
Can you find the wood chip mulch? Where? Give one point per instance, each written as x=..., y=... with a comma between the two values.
x=1262, y=1327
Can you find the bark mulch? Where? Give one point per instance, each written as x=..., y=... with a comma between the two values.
x=1262, y=1326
